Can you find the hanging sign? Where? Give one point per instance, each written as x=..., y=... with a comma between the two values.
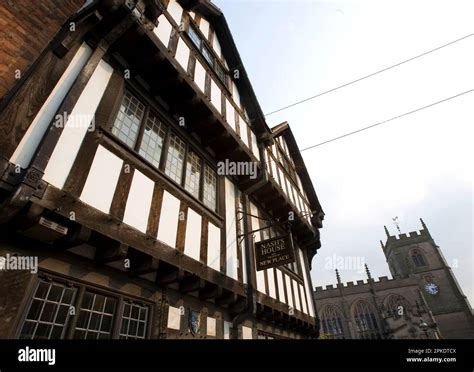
x=274, y=252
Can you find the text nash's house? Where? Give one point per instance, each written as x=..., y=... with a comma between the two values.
x=137, y=167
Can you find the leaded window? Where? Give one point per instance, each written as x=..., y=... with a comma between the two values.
x=48, y=312
x=152, y=141
x=161, y=147
x=193, y=174
x=331, y=322
x=396, y=305
x=210, y=188
x=95, y=317
x=127, y=122
x=175, y=158
x=365, y=321
x=134, y=321
x=418, y=258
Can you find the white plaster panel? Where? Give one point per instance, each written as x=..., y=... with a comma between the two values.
x=227, y=326
x=230, y=113
x=169, y=218
x=33, y=136
x=214, y=247
x=77, y=125
x=281, y=288
x=192, y=242
x=297, y=296
x=200, y=76
x=182, y=54
x=231, y=230
x=139, y=198
x=102, y=180
x=289, y=291
x=204, y=27
x=163, y=30
x=271, y=283
x=175, y=10
x=216, y=96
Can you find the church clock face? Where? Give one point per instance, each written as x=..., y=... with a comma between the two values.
x=431, y=288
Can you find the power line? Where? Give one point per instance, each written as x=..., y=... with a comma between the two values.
x=391, y=119
x=370, y=75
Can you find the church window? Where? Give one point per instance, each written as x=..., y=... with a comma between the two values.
x=365, y=321
x=418, y=258
x=331, y=322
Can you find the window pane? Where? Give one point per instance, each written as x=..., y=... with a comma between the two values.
x=175, y=159
x=193, y=174
x=194, y=37
x=208, y=56
x=49, y=307
x=134, y=322
x=128, y=119
x=152, y=142
x=95, y=317
x=210, y=187
x=220, y=73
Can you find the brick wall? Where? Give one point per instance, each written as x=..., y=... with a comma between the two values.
x=26, y=27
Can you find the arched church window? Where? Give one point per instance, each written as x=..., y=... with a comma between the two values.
x=365, y=321
x=396, y=305
x=331, y=322
x=418, y=258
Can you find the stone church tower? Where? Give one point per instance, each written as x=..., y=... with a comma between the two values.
x=416, y=255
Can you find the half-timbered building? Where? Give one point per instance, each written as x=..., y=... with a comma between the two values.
x=138, y=169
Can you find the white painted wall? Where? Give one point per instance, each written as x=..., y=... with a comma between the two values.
x=217, y=46
x=303, y=295
x=182, y=54
x=139, y=198
x=289, y=290
x=235, y=93
x=307, y=283
x=65, y=152
x=175, y=10
x=192, y=241
x=243, y=131
x=169, y=218
x=200, y=76
x=271, y=283
x=254, y=145
x=163, y=30
x=216, y=96
x=33, y=136
x=256, y=225
x=294, y=284
x=102, y=180
x=281, y=289
x=230, y=113
x=204, y=27
x=214, y=247
x=231, y=230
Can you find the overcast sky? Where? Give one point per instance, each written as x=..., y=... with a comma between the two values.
x=417, y=166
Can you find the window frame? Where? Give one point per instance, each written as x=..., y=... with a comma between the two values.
x=171, y=128
x=81, y=287
x=205, y=44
